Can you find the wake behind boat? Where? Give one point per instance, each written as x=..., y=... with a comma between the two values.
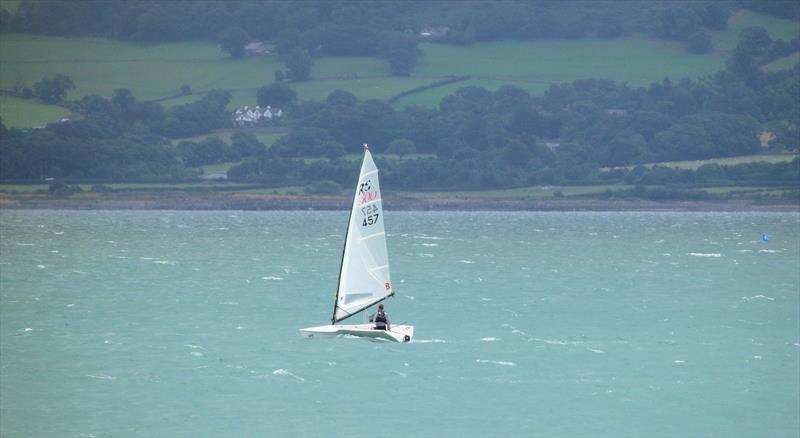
x=364, y=273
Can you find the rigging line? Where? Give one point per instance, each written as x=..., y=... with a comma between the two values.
x=370, y=173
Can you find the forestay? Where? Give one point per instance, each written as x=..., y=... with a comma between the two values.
x=364, y=276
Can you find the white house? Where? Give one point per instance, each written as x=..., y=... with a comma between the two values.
x=247, y=116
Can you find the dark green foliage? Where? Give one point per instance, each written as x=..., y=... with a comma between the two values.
x=401, y=147
x=53, y=90
x=329, y=149
x=246, y=144
x=232, y=41
x=340, y=97
x=209, y=151
x=674, y=22
x=278, y=95
x=298, y=64
x=198, y=117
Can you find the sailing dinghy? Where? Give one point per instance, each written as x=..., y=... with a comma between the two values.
x=364, y=274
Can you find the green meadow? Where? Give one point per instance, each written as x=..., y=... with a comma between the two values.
x=9, y=5
x=266, y=138
x=25, y=113
x=729, y=161
x=98, y=66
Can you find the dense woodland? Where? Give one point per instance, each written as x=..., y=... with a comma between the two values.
x=582, y=132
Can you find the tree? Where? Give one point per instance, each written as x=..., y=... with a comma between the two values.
x=715, y=16
x=53, y=90
x=754, y=40
x=246, y=144
x=341, y=97
x=278, y=95
x=123, y=98
x=299, y=64
x=329, y=149
x=402, y=61
x=232, y=41
x=401, y=147
x=186, y=90
x=278, y=76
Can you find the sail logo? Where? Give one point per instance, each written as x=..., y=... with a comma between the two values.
x=368, y=197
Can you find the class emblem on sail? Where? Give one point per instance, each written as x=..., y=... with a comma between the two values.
x=364, y=278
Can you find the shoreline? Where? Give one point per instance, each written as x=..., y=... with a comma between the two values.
x=252, y=202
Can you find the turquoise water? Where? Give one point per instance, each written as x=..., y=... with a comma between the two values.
x=184, y=324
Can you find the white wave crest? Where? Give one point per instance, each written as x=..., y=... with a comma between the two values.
x=467, y=262
x=490, y=339
x=705, y=254
x=496, y=362
x=285, y=372
x=101, y=376
x=428, y=341
x=272, y=278
x=758, y=297
x=769, y=251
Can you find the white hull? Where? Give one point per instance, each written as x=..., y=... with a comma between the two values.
x=398, y=333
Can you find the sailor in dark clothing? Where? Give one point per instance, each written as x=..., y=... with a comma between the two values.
x=381, y=320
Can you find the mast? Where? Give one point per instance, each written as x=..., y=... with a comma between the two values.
x=344, y=249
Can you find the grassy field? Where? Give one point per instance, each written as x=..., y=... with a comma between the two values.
x=730, y=161
x=24, y=113
x=784, y=63
x=9, y=5
x=225, y=136
x=98, y=66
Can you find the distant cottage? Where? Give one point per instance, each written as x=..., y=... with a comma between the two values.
x=256, y=48
x=247, y=116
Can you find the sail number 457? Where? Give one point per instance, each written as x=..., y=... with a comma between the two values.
x=369, y=220
x=370, y=213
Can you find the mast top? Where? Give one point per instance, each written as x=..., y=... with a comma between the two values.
x=366, y=147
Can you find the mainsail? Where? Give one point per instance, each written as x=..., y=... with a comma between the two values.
x=364, y=275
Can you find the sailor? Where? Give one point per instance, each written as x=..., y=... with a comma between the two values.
x=381, y=320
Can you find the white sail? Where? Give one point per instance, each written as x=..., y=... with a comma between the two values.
x=364, y=277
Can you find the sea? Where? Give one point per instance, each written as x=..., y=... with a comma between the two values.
x=576, y=324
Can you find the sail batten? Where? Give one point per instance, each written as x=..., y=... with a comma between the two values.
x=373, y=236
x=364, y=277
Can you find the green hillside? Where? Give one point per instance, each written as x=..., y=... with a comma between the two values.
x=98, y=66
x=22, y=113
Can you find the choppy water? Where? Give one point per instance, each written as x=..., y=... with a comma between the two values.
x=528, y=324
